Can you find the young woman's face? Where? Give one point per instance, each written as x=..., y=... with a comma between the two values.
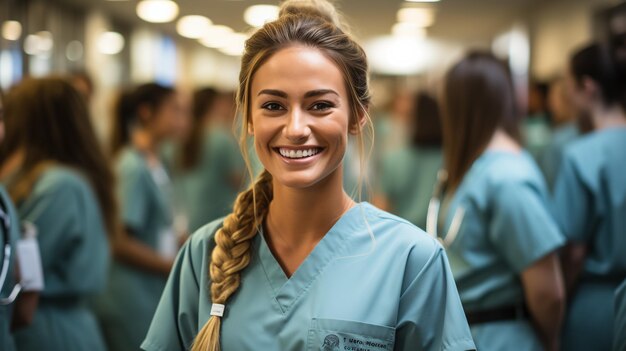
x=169, y=120
x=299, y=116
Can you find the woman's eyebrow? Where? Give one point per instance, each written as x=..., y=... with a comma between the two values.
x=274, y=92
x=319, y=92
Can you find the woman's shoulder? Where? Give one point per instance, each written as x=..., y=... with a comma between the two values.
x=59, y=178
x=203, y=239
x=396, y=234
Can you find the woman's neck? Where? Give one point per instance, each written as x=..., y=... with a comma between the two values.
x=604, y=117
x=12, y=164
x=501, y=141
x=301, y=217
x=145, y=142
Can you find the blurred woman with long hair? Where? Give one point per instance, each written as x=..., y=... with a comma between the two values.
x=59, y=179
x=491, y=213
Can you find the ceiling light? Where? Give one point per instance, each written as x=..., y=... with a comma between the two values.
x=421, y=0
x=216, y=36
x=193, y=27
x=110, y=43
x=11, y=30
x=408, y=29
x=424, y=17
x=157, y=11
x=258, y=15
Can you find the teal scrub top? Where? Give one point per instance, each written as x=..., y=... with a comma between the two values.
x=74, y=255
x=132, y=295
x=619, y=338
x=207, y=191
x=505, y=226
x=553, y=153
x=407, y=181
x=374, y=282
x=6, y=339
x=590, y=207
x=537, y=134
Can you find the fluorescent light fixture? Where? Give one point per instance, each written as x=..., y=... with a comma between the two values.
x=157, y=11
x=408, y=29
x=236, y=44
x=193, y=27
x=11, y=30
x=258, y=15
x=110, y=43
x=216, y=36
x=421, y=0
x=424, y=17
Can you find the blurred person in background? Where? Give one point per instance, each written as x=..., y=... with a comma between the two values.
x=494, y=219
x=536, y=126
x=9, y=228
x=280, y=272
x=408, y=175
x=60, y=181
x=564, y=129
x=590, y=200
x=83, y=83
x=145, y=118
x=208, y=169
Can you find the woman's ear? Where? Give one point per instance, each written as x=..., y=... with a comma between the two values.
x=250, y=128
x=361, y=120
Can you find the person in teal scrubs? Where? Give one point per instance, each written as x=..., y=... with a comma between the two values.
x=491, y=212
x=535, y=128
x=208, y=164
x=590, y=202
x=60, y=181
x=147, y=117
x=298, y=264
x=409, y=174
x=9, y=224
x=564, y=130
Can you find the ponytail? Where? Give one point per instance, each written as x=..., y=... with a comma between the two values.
x=232, y=254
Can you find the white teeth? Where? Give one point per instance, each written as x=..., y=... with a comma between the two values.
x=297, y=153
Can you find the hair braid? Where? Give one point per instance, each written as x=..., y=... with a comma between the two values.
x=232, y=253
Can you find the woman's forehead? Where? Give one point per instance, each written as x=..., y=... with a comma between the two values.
x=297, y=70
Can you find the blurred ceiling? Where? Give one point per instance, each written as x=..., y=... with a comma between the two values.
x=456, y=20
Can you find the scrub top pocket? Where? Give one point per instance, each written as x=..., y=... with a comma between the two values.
x=335, y=335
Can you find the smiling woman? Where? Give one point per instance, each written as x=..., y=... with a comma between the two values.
x=286, y=269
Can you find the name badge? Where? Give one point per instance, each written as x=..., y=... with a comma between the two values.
x=167, y=245
x=29, y=259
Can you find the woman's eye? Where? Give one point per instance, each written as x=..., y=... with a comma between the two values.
x=272, y=106
x=321, y=106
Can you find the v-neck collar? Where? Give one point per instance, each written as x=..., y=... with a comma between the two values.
x=287, y=290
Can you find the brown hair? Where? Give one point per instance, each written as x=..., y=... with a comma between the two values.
x=203, y=101
x=426, y=121
x=478, y=99
x=126, y=109
x=49, y=120
x=308, y=23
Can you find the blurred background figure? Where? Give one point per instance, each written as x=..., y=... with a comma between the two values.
x=60, y=180
x=536, y=125
x=494, y=219
x=590, y=200
x=8, y=271
x=564, y=128
x=83, y=83
x=208, y=168
x=145, y=118
x=408, y=175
